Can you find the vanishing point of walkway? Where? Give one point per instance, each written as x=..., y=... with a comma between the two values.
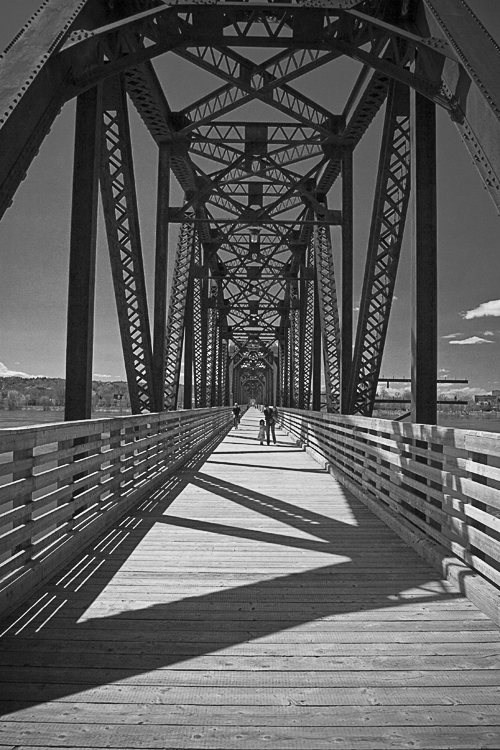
x=251, y=602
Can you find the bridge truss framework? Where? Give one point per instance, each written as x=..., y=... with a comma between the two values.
x=252, y=310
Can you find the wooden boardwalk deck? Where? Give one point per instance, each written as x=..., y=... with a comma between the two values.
x=249, y=603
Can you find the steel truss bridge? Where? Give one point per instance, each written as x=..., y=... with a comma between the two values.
x=162, y=623
x=252, y=309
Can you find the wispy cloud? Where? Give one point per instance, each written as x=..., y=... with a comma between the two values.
x=491, y=308
x=6, y=373
x=451, y=335
x=488, y=333
x=473, y=340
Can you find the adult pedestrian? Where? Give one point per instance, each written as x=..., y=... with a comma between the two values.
x=236, y=416
x=270, y=424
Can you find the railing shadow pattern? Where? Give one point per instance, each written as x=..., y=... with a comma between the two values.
x=62, y=484
x=161, y=635
x=439, y=488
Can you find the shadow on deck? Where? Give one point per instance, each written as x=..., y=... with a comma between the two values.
x=208, y=618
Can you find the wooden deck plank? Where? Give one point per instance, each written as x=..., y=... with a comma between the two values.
x=272, y=716
x=208, y=737
x=119, y=695
x=264, y=606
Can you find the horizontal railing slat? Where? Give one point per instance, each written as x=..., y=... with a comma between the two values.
x=63, y=483
x=442, y=481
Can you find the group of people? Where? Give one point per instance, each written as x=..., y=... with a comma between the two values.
x=267, y=426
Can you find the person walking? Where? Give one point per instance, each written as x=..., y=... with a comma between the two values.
x=236, y=416
x=270, y=424
x=262, y=431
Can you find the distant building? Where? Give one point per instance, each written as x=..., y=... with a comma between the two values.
x=488, y=399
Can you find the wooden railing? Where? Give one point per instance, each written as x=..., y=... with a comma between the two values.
x=439, y=488
x=62, y=484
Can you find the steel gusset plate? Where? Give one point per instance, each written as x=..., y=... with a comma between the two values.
x=328, y=313
x=384, y=247
x=176, y=314
x=122, y=228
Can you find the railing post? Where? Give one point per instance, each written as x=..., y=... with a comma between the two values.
x=25, y=454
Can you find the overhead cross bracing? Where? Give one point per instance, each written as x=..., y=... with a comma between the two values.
x=264, y=164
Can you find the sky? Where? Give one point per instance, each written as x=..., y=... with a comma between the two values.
x=34, y=238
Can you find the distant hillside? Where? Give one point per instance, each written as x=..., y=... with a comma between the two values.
x=20, y=393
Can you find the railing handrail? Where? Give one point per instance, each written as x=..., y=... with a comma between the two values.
x=62, y=484
x=438, y=487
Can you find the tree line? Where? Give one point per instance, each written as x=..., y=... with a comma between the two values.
x=49, y=394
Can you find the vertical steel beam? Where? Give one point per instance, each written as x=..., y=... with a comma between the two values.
x=200, y=327
x=125, y=251
x=81, y=291
x=316, y=364
x=226, y=373
x=234, y=379
x=215, y=398
x=286, y=367
x=306, y=329
x=161, y=273
x=211, y=344
x=329, y=315
x=281, y=373
x=176, y=310
x=294, y=345
x=424, y=313
x=347, y=279
x=189, y=343
x=301, y=350
x=390, y=208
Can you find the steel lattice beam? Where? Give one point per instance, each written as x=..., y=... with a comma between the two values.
x=384, y=247
x=200, y=328
x=122, y=227
x=306, y=323
x=329, y=315
x=176, y=312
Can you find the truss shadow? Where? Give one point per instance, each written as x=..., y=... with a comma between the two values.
x=67, y=641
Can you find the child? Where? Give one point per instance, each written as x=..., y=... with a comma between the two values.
x=262, y=431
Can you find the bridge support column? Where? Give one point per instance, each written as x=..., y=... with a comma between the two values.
x=188, y=346
x=424, y=314
x=161, y=269
x=81, y=288
x=347, y=280
x=316, y=363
